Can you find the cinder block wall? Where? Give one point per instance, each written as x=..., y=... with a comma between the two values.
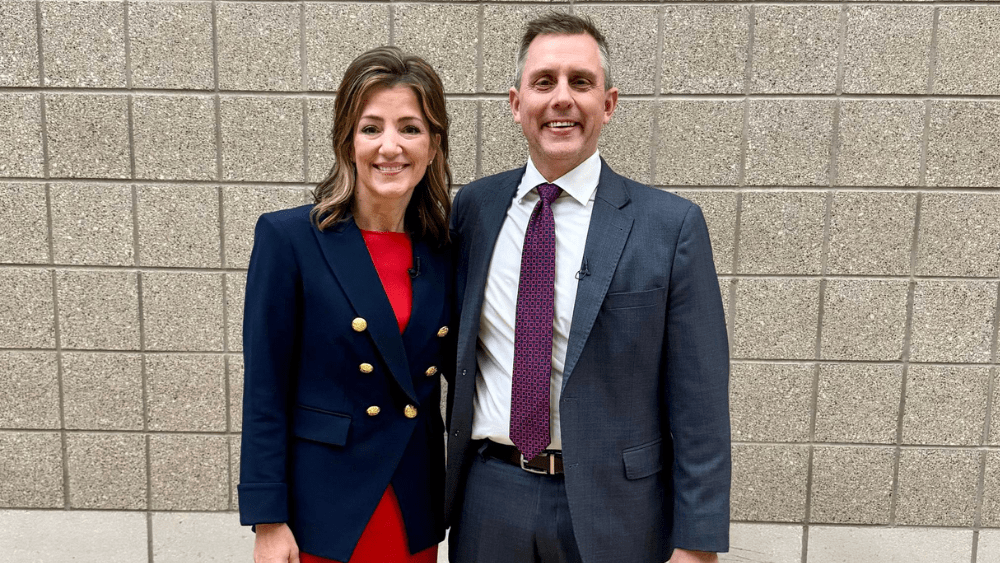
x=846, y=156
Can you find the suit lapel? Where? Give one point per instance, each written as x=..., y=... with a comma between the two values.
x=347, y=255
x=609, y=229
x=428, y=295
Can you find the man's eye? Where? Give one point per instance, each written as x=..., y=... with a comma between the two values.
x=543, y=83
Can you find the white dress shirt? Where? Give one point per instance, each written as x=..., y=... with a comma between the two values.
x=495, y=347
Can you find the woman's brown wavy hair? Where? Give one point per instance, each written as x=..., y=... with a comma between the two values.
x=386, y=67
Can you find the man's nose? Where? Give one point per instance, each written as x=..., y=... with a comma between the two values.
x=562, y=94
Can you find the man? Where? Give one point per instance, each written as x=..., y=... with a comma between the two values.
x=589, y=418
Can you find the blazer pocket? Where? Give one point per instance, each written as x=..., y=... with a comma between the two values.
x=643, y=461
x=321, y=426
x=634, y=299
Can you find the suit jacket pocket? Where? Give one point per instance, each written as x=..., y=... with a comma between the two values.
x=634, y=299
x=321, y=426
x=643, y=461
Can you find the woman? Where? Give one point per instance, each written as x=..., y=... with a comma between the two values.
x=345, y=332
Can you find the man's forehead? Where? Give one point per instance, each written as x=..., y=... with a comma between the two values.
x=579, y=43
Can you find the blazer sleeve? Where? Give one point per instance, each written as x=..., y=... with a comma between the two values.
x=697, y=385
x=271, y=333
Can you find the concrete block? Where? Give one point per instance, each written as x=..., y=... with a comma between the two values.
x=262, y=139
x=769, y=483
x=704, y=49
x=852, y=485
x=959, y=235
x=242, y=206
x=107, y=470
x=625, y=140
x=968, y=57
x=937, y=487
x=782, y=232
x=795, y=49
x=29, y=383
x=991, y=502
x=871, y=233
x=961, y=146
x=102, y=391
x=844, y=544
x=789, y=142
x=864, y=319
x=503, y=145
x=92, y=224
x=463, y=127
x=21, y=135
x=336, y=34
x=887, y=49
x=31, y=474
x=19, y=61
x=24, y=215
x=83, y=43
x=503, y=25
x=189, y=472
x=775, y=543
x=183, y=311
x=953, y=321
x=259, y=46
x=445, y=36
x=87, y=134
x=631, y=35
x=98, y=309
x=858, y=403
x=234, y=471
x=775, y=318
x=234, y=371
x=179, y=226
x=236, y=288
x=945, y=405
x=699, y=142
x=719, y=210
x=770, y=402
x=74, y=535
x=27, y=313
x=174, y=137
x=207, y=537
x=880, y=143
x=989, y=545
x=170, y=44
x=186, y=392
x=319, y=115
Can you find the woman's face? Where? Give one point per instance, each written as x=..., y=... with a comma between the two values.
x=392, y=146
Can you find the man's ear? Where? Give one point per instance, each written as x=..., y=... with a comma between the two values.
x=515, y=104
x=610, y=103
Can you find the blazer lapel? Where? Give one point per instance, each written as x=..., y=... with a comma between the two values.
x=347, y=255
x=428, y=295
x=609, y=229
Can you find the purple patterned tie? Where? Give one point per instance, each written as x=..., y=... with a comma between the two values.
x=529, y=393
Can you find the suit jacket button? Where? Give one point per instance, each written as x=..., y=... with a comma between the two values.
x=359, y=324
x=410, y=411
x=366, y=368
x=373, y=410
x=442, y=332
x=431, y=371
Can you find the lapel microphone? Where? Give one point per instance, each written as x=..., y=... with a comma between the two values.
x=584, y=270
x=415, y=270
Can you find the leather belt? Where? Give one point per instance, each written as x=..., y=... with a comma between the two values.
x=549, y=462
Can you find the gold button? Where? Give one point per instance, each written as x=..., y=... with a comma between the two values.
x=373, y=410
x=443, y=331
x=410, y=411
x=431, y=371
x=366, y=368
x=359, y=324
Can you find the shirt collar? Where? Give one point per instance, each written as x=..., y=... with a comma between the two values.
x=580, y=182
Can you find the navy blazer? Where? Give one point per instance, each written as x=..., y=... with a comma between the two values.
x=322, y=439
x=644, y=404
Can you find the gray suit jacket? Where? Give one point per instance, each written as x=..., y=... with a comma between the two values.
x=644, y=405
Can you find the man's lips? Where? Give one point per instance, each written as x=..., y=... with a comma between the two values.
x=560, y=124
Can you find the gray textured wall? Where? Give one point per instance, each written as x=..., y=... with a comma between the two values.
x=846, y=156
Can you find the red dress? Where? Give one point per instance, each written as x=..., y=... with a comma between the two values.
x=384, y=539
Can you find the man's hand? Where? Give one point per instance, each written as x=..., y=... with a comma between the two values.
x=275, y=544
x=685, y=556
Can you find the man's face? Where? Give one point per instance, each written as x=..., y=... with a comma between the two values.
x=561, y=103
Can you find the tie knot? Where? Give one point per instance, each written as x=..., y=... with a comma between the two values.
x=548, y=192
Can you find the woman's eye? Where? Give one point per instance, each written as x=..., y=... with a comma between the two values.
x=369, y=130
x=411, y=130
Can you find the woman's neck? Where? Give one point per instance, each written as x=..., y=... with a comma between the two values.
x=388, y=217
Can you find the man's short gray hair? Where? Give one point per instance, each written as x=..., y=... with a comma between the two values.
x=559, y=23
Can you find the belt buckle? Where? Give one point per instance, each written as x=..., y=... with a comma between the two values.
x=535, y=470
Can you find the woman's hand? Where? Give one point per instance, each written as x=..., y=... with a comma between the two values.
x=275, y=544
